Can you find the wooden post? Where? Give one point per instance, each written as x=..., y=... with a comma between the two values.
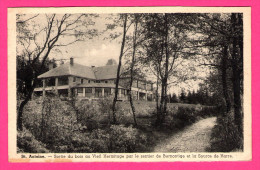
x=93, y=91
x=43, y=87
x=70, y=84
x=103, y=92
x=84, y=92
x=56, y=85
x=119, y=93
x=69, y=92
x=32, y=97
x=112, y=91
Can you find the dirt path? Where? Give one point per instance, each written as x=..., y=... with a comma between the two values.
x=194, y=138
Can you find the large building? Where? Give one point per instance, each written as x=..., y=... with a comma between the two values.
x=72, y=79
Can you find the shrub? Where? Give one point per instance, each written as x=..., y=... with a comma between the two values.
x=181, y=118
x=186, y=115
x=100, y=141
x=126, y=139
x=94, y=114
x=80, y=143
x=26, y=142
x=105, y=108
x=62, y=127
x=117, y=138
x=225, y=136
x=207, y=111
x=88, y=114
x=123, y=113
x=53, y=124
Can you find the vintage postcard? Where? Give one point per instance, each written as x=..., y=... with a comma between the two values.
x=129, y=84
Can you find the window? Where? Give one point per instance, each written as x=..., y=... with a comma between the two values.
x=80, y=90
x=63, y=92
x=105, y=81
x=63, y=81
x=98, y=92
x=88, y=81
x=98, y=81
x=88, y=90
x=82, y=80
x=149, y=86
x=74, y=79
x=107, y=91
x=141, y=85
x=50, y=82
x=40, y=84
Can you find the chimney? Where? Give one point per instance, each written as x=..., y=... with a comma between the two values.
x=71, y=61
x=51, y=65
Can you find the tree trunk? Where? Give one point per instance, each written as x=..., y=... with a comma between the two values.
x=160, y=110
x=118, y=70
x=224, y=80
x=21, y=107
x=166, y=101
x=157, y=94
x=132, y=72
x=166, y=68
x=236, y=58
x=163, y=103
x=133, y=108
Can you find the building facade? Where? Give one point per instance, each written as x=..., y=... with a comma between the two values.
x=72, y=79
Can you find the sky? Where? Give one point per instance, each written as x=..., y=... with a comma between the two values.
x=97, y=50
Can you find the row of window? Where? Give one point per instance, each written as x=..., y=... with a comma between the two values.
x=64, y=81
x=99, y=90
x=89, y=81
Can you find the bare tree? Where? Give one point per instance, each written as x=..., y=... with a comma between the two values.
x=124, y=16
x=136, y=17
x=166, y=38
x=38, y=39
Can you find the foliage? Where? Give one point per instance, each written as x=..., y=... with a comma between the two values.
x=88, y=114
x=225, y=136
x=173, y=98
x=201, y=96
x=183, y=97
x=126, y=139
x=26, y=142
x=183, y=116
x=53, y=124
x=25, y=74
x=116, y=138
x=87, y=129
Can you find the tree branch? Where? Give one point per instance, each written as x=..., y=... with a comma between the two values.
x=20, y=22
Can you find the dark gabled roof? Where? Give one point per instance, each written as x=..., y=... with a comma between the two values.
x=106, y=72
x=68, y=69
x=96, y=73
x=109, y=85
x=99, y=73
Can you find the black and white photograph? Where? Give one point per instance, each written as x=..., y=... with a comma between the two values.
x=115, y=82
